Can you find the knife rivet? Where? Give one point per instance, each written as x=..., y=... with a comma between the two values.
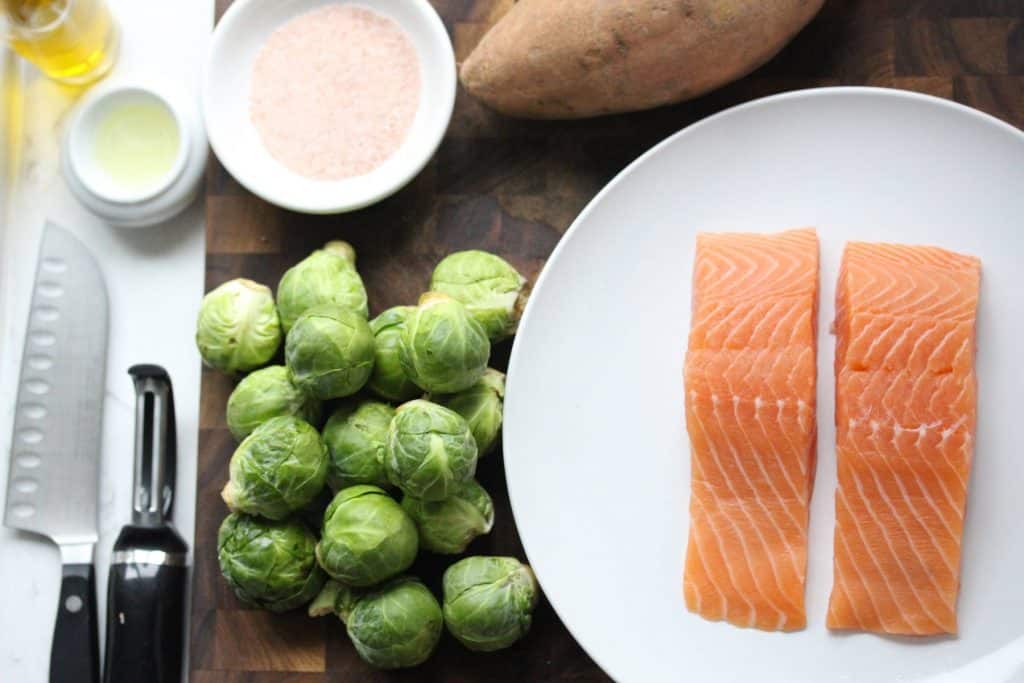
x=73, y=604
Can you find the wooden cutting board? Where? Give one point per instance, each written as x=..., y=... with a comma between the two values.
x=513, y=187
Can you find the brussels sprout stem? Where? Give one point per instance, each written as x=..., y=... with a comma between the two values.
x=334, y=598
x=431, y=298
x=229, y=494
x=323, y=603
x=342, y=249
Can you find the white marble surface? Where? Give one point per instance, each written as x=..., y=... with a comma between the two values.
x=155, y=280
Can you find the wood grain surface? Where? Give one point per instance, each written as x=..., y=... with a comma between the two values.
x=513, y=187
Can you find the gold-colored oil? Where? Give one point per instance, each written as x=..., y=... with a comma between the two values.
x=72, y=41
x=136, y=144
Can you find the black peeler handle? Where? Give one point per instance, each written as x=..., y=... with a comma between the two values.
x=146, y=607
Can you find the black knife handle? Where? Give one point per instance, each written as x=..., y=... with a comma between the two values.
x=146, y=607
x=74, y=656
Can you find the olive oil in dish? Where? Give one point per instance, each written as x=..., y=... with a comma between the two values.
x=136, y=143
x=134, y=153
x=335, y=91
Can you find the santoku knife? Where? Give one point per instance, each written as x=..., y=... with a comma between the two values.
x=53, y=485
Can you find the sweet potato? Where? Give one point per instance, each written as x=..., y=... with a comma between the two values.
x=579, y=58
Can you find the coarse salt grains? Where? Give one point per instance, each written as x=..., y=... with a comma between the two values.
x=335, y=91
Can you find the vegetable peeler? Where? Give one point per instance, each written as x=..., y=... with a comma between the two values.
x=146, y=591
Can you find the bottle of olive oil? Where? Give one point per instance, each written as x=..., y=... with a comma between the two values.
x=71, y=41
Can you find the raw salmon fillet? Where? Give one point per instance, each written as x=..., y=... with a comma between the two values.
x=905, y=412
x=750, y=396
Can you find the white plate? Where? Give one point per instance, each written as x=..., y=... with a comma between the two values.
x=237, y=40
x=595, y=446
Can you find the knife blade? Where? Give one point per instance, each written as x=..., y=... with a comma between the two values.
x=53, y=486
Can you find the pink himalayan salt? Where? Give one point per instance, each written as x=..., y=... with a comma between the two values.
x=335, y=91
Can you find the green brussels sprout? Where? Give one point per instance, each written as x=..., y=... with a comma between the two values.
x=355, y=436
x=329, y=351
x=264, y=394
x=482, y=406
x=489, y=601
x=396, y=625
x=269, y=564
x=488, y=286
x=448, y=526
x=277, y=469
x=367, y=537
x=389, y=380
x=430, y=450
x=443, y=348
x=327, y=276
x=238, y=329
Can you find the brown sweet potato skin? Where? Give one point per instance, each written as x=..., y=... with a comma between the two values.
x=563, y=59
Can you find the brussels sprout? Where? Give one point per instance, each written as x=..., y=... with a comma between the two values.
x=355, y=435
x=448, y=526
x=489, y=601
x=265, y=394
x=389, y=380
x=367, y=537
x=277, y=469
x=489, y=287
x=481, y=405
x=395, y=626
x=269, y=564
x=430, y=450
x=238, y=329
x=327, y=276
x=443, y=348
x=329, y=351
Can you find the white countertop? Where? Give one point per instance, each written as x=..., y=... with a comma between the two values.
x=155, y=281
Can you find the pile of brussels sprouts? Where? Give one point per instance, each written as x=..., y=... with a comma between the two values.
x=333, y=519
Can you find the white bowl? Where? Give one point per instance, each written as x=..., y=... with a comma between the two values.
x=240, y=35
x=134, y=207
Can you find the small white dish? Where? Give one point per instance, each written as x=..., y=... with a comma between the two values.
x=237, y=40
x=143, y=204
x=596, y=450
